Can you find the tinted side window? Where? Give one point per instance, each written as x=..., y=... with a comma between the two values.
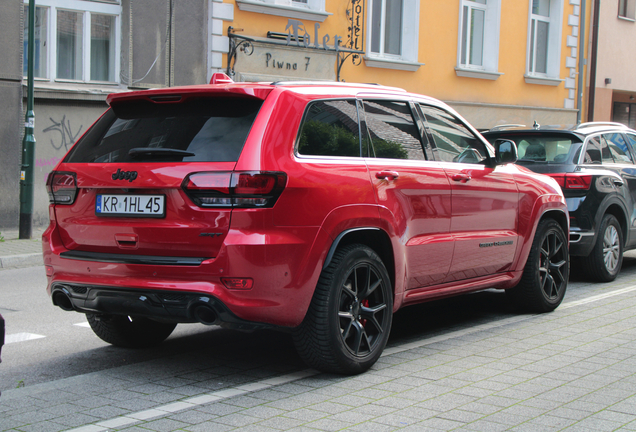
x=597, y=151
x=632, y=141
x=330, y=128
x=392, y=131
x=618, y=148
x=454, y=142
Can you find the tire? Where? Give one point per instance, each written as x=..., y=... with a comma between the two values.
x=349, y=319
x=545, y=276
x=604, y=262
x=129, y=332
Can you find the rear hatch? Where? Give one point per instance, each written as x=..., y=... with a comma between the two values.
x=136, y=183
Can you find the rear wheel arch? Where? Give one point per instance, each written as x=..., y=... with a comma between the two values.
x=558, y=216
x=620, y=214
x=375, y=238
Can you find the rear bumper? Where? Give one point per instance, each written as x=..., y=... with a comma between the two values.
x=581, y=242
x=170, y=306
x=283, y=269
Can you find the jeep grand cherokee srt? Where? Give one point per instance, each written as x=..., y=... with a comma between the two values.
x=321, y=208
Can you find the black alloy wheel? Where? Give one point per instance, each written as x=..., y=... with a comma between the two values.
x=545, y=276
x=128, y=331
x=349, y=319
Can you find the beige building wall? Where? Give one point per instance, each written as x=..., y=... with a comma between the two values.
x=616, y=60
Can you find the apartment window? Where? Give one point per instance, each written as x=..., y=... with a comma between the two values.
x=393, y=30
x=472, y=39
x=40, y=45
x=386, y=27
x=313, y=10
x=478, y=48
x=544, y=38
x=626, y=9
x=75, y=40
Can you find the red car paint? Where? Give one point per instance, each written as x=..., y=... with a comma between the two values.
x=445, y=228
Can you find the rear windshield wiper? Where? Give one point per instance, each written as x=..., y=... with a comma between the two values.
x=158, y=152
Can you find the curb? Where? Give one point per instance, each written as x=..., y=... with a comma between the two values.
x=24, y=260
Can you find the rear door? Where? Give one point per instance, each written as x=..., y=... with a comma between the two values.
x=413, y=189
x=485, y=200
x=133, y=166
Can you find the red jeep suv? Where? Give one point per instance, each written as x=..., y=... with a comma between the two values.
x=321, y=208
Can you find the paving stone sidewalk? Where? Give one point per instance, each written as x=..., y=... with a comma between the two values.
x=570, y=370
x=20, y=253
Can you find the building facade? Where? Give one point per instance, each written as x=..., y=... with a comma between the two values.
x=495, y=61
x=614, y=85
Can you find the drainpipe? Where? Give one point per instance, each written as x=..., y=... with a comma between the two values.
x=581, y=82
x=593, y=59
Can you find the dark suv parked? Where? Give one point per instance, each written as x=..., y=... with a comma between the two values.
x=321, y=208
x=594, y=165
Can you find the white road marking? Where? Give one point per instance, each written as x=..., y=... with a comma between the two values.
x=597, y=297
x=83, y=324
x=21, y=337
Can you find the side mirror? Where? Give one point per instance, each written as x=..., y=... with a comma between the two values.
x=505, y=151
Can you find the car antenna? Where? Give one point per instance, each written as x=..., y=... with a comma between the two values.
x=536, y=125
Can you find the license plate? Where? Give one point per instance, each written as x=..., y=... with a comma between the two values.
x=130, y=205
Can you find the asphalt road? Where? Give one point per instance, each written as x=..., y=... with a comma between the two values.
x=45, y=343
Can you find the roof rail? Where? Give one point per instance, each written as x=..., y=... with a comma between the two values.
x=505, y=126
x=600, y=123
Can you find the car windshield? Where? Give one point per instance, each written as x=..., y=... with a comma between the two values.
x=561, y=149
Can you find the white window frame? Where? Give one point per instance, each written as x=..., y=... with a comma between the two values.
x=627, y=9
x=555, y=23
x=86, y=8
x=490, y=48
x=313, y=10
x=408, y=59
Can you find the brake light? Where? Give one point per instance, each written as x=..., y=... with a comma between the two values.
x=573, y=180
x=236, y=189
x=62, y=187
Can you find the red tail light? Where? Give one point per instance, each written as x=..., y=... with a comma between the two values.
x=238, y=283
x=573, y=180
x=62, y=187
x=236, y=189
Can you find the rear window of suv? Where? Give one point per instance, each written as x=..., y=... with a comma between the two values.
x=196, y=130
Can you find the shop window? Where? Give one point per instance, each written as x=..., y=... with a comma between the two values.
x=544, y=38
x=478, y=48
x=627, y=9
x=74, y=44
x=393, y=33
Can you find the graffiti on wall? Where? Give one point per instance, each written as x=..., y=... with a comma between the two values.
x=64, y=137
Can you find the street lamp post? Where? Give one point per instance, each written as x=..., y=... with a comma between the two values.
x=28, y=143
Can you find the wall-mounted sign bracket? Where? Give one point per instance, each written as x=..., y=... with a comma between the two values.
x=237, y=43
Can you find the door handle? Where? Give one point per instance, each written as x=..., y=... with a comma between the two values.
x=461, y=177
x=387, y=175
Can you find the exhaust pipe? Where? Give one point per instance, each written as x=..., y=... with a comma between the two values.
x=204, y=314
x=63, y=301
